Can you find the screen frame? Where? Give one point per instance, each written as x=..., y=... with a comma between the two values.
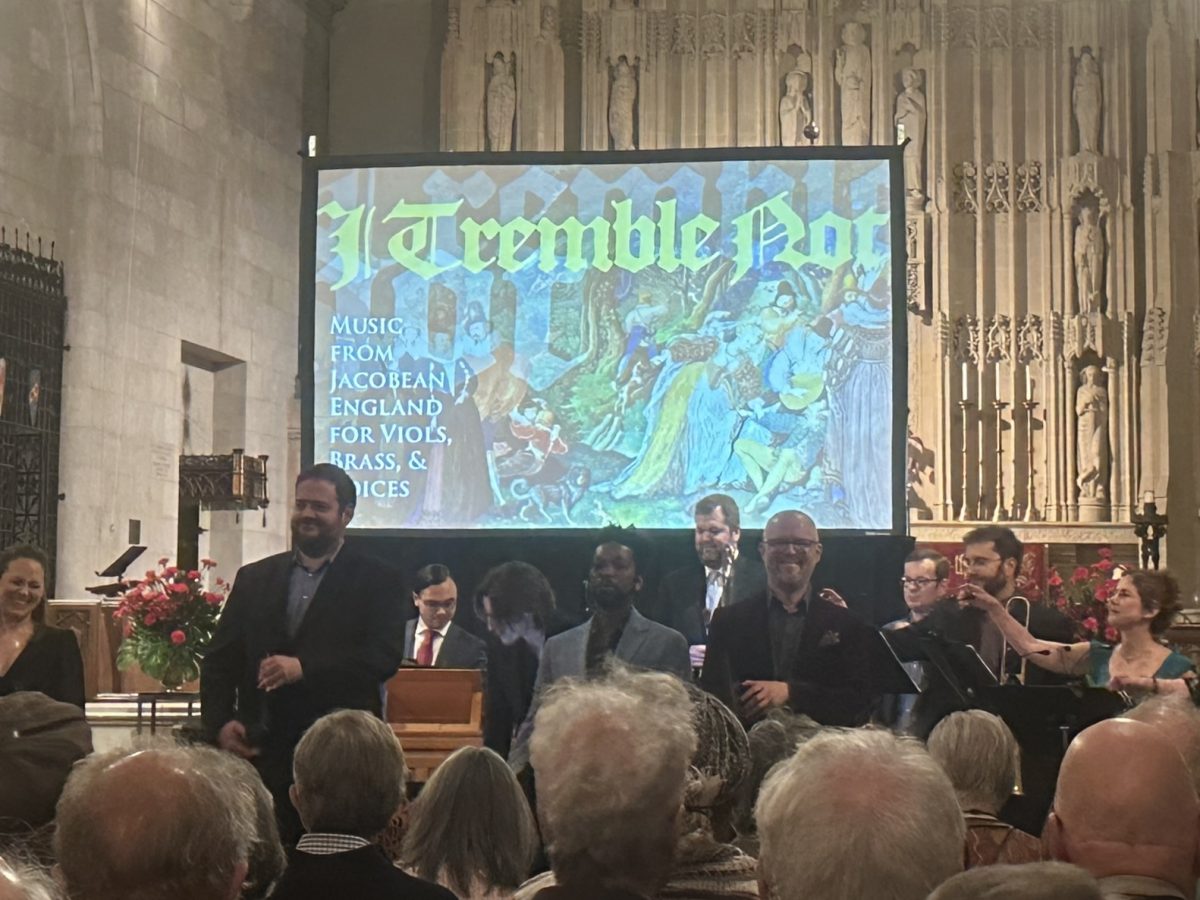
x=893, y=154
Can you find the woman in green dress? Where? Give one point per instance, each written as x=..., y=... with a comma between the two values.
x=1140, y=609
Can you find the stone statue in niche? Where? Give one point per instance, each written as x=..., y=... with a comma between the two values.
x=1086, y=98
x=911, y=116
x=1089, y=263
x=1091, y=411
x=501, y=104
x=795, y=109
x=621, y=99
x=549, y=25
x=852, y=71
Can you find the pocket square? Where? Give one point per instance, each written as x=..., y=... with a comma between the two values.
x=829, y=639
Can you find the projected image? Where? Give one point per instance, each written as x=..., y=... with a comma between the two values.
x=528, y=346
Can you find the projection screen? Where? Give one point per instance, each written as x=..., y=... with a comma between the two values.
x=569, y=341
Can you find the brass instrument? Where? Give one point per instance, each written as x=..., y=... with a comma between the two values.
x=1004, y=646
x=1018, y=785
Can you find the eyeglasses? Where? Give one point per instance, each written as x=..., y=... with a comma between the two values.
x=802, y=546
x=976, y=562
x=918, y=583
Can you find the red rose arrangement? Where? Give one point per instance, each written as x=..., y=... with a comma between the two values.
x=1084, y=596
x=167, y=620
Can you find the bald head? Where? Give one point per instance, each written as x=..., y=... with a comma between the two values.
x=1126, y=805
x=790, y=549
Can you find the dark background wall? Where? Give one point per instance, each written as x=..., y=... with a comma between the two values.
x=865, y=569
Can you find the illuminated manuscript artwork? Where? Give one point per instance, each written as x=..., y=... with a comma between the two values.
x=572, y=345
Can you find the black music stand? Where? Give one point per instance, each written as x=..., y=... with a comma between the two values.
x=961, y=666
x=888, y=675
x=116, y=569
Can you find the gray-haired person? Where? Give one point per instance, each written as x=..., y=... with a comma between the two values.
x=856, y=814
x=163, y=823
x=349, y=782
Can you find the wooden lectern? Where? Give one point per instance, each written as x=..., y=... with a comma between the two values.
x=434, y=712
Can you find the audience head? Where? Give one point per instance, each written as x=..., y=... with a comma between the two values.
x=855, y=814
x=161, y=823
x=719, y=767
x=718, y=527
x=513, y=598
x=22, y=880
x=772, y=740
x=40, y=740
x=609, y=753
x=1145, y=596
x=435, y=595
x=324, y=506
x=22, y=584
x=1031, y=881
x=350, y=775
x=979, y=754
x=790, y=549
x=1126, y=805
x=615, y=578
x=925, y=575
x=993, y=557
x=471, y=825
x=1178, y=719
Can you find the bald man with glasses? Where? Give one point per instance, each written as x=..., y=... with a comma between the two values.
x=789, y=647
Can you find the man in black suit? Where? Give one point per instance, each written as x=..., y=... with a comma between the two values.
x=688, y=597
x=304, y=632
x=349, y=783
x=787, y=647
x=432, y=639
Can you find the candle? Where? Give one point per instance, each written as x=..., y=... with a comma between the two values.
x=966, y=393
x=997, y=379
x=1028, y=382
x=1148, y=497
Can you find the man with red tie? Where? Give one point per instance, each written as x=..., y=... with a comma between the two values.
x=432, y=639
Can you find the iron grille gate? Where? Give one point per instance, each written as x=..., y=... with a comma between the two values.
x=32, y=321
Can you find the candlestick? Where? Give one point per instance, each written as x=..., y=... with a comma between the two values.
x=1000, y=513
x=1031, y=513
x=964, y=405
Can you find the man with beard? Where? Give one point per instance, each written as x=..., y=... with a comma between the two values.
x=303, y=633
x=993, y=555
x=787, y=648
x=688, y=597
x=615, y=629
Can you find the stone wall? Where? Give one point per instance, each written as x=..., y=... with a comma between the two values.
x=155, y=141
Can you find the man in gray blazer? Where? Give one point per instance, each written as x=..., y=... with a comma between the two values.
x=432, y=639
x=615, y=629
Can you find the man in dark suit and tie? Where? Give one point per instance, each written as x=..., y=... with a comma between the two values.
x=688, y=597
x=432, y=639
x=303, y=633
x=786, y=647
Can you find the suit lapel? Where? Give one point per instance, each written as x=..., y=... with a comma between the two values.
x=632, y=638
x=447, y=656
x=410, y=639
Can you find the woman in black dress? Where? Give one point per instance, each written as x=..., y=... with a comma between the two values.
x=34, y=656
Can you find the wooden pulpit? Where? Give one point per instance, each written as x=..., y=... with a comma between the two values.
x=434, y=712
